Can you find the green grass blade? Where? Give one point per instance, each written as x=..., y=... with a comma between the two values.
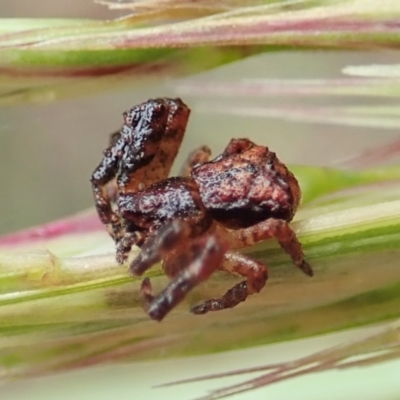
x=61, y=311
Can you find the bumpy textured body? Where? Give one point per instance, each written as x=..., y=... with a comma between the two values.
x=192, y=223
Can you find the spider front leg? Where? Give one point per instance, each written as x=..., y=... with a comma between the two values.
x=236, y=263
x=270, y=228
x=160, y=166
x=125, y=243
x=192, y=264
x=102, y=175
x=153, y=143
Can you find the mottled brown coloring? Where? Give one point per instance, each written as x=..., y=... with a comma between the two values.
x=193, y=223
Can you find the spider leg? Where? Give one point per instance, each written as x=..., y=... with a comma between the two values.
x=160, y=166
x=200, y=155
x=129, y=151
x=154, y=139
x=101, y=176
x=125, y=243
x=270, y=228
x=236, y=263
x=199, y=259
x=167, y=238
x=205, y=255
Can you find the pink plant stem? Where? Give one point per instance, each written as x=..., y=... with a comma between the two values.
x=80, y=223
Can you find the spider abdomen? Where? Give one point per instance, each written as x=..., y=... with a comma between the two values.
x=243, y=189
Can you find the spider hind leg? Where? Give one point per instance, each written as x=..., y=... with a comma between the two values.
x=236, y=263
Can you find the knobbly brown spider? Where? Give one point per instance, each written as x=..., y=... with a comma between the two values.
x=193, y=223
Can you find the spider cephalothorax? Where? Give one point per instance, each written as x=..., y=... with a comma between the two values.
x=193, y=223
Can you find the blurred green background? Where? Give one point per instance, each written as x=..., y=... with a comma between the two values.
x=49, y=150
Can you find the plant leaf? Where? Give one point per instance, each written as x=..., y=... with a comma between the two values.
x=75, y=272
x=63, y=52
x=379, y=347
